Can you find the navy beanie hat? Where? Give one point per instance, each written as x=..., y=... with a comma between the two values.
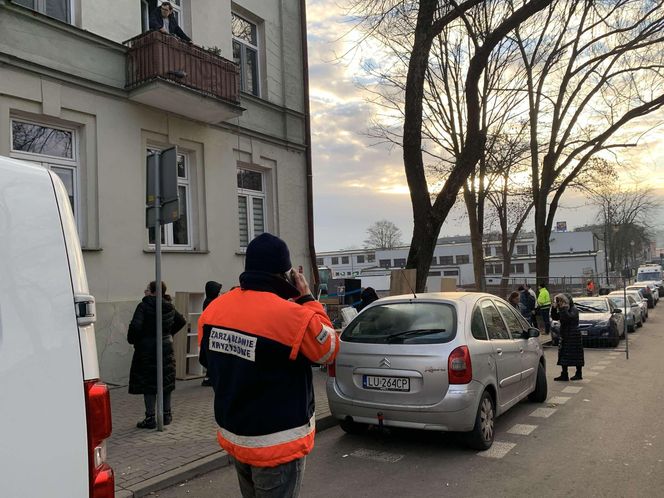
x=267, y=253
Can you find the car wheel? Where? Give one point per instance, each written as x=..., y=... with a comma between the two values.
x=349, y=426
x=639, y=324
x=540, y=392
x=481, y=437
x=631, y=328
x=555, y=341
x=613, y=342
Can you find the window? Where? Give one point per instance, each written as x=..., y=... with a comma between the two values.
x=371, y=258
x=462, y=259
x=178, y=233
x=515, y=326
x=494, y=323
x=532, y=267
x=477, y=325
x=251, y=204
x=434, y=261
x=516, y=268
x=384, y=263
x=400, y=262
x=335, y=260
x=521, y=250
x=360, y=258
x=58, y=9
x=451, y=273
x=446, y=260
x=320, y=262
x=245, y=53
x=54, y=148
x=344, y=260
x=487, y=250
x=495, y=269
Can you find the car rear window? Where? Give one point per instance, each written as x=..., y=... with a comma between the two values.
x=403, y=323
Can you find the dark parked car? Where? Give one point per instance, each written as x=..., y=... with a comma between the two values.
x=600, y=322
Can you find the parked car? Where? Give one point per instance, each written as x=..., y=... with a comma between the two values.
x=640, y=300
x=600, y=321
x=438, y=361
x=647, y=291
x=631, y=311
x=55, y=415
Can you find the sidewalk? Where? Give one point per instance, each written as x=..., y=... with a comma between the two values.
x=148, y=460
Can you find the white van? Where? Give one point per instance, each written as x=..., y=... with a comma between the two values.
x=651, y=274
x=54, y=413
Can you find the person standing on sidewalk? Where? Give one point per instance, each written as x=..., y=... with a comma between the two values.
x=142, y=334
x=544, y=306
x=212, y=291
x=570, y=350
x=258, y=343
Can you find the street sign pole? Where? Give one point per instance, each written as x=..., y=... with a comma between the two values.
x=157, y=244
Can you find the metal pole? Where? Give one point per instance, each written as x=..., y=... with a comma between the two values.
x=625, y=319
x=160, y=359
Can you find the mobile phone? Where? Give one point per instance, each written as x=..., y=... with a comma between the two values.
x=290, y=276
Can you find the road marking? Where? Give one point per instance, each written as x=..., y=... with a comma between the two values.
x=598, y=367
x=377, y=456
x=572, y=390
x=615, y=353
x=558, y=400
x=543, y=412
x=522, y=429
x=497, y=450
x=604, y=362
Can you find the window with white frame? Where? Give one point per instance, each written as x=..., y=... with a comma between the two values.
x=58, y=9
x=177, y=235
x=55, y=148
x=245, y=53
x=251, y=204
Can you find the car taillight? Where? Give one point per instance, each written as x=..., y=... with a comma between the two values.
x=459, y=368
x=98, y=414
x=332, y=369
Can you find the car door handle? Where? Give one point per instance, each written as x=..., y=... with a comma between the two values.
x=499, y=350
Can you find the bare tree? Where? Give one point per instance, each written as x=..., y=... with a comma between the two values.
x=383, y=235
x=592, y=69
x=417, y=26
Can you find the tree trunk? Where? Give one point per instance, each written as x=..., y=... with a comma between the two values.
x=423, y=243
x=476, y=231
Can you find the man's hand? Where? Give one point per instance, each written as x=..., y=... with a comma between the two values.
x=301, y=283
x=164, y=30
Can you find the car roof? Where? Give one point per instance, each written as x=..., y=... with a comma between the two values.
x=463, y=296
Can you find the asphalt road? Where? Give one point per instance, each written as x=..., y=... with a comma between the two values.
x=606, y=439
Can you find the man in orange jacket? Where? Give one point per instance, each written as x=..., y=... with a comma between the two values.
x=258, y=343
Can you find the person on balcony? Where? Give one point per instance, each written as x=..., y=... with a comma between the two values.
x=162, y=19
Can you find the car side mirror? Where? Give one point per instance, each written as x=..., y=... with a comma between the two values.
x=617, y=310
x=531, y=332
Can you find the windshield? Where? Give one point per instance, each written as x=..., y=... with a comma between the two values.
x=403, y=323
x=647, y=276
x=620, y=301
x=591, y=305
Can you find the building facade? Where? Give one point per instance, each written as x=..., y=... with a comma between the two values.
x=79, y=98
x=573, y=254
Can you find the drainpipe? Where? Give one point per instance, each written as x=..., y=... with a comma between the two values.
x=307, y=139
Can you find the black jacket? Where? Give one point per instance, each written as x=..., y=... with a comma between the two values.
x=142, y=334
x=157, y=22
x=570, y=351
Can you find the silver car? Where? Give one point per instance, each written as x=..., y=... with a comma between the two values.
x=439, y=361
x=633, y=312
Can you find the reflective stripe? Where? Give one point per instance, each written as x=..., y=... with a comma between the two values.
x=333, y=346
x=273, y=439
x=269, y=456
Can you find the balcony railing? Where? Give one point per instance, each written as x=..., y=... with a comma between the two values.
x=157, y=56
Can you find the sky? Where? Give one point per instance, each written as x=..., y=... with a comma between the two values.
x=358, y=182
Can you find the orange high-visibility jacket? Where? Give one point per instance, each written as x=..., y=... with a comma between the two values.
x=258, y=349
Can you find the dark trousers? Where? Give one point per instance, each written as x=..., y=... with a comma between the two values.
x=151, y=402
x=282, y=481
x=544, y=313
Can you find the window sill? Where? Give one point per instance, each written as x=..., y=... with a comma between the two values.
x=91, y=249
x=171, y=250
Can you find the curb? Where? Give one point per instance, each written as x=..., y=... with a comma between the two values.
x=196, y=468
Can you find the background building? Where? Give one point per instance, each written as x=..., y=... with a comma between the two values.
x=76, y=99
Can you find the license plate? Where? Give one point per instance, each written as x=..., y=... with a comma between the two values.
x=386, y=383
x=584, y=332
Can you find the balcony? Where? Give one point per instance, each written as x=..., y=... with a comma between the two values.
x=169, y=74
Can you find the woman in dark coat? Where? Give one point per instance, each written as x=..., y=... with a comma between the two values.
x=367, y=297
x=212, y=291
x=142, y=334
x=570, y=351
